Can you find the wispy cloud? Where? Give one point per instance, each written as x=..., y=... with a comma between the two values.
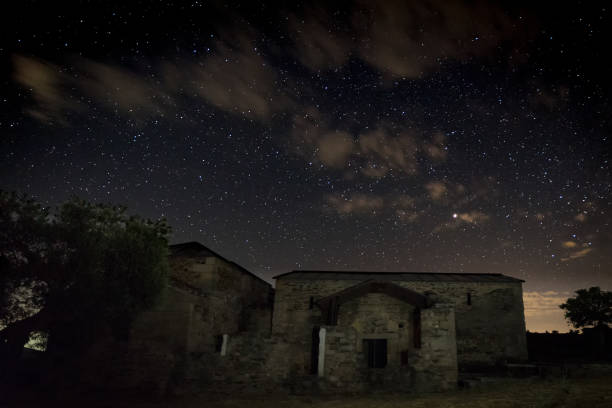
x=48, y=84
x=550, y=98
x=334, y=148
x=436, y=190
x=373, y=154
x=315, y=141
x=59, y=95
x=577, y=254
x=384, y=150
x=444, y=192
x=580, y=217
x=392, y=38
x=474, y=218
x=396, y=38
x=121, y=90
x=318, y=42
x=235, y=78
x=355, y=204
x=402, y=208
x=542, y=310
x=538, y=303
x=406, y=209
x=436, y=149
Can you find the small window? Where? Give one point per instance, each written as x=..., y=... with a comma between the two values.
x=404, y=357
x=311, y=303
x=376, y=352
x=416, y=327
x=218, y=343
x=314, y=356
x=469, y=298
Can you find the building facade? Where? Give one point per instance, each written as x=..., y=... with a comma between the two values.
x=222, y=328
x=399, y=330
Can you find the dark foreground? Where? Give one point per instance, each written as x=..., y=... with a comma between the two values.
x=590, y=393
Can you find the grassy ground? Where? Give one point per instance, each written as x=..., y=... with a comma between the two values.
x=589, y=393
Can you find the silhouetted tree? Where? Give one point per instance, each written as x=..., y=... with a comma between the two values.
x=74, y=270
x=590, y=307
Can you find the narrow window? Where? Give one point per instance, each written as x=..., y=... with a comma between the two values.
x=311, y=304
x=404, y=357
x=218, y=343
x=376, y=352
x=314, y=356
x=469, y=298
x=416, y=327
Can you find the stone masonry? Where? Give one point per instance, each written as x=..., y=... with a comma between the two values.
x=221, y=328
x=489, y=330
x=176, y=345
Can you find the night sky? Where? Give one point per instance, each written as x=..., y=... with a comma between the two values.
x=428, y=136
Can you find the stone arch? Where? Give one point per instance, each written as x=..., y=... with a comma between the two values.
x=330, y=305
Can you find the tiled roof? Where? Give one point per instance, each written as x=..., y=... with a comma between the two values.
x=398, y=276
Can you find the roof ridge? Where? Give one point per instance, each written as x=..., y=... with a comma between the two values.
x=216, y=254
x=429, y=273
x=437, y=274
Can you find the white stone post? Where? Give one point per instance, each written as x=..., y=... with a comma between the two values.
x=224, y=344
x=321, y=365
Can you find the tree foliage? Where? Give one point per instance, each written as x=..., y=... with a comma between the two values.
x=76, y=269
x=590, y=307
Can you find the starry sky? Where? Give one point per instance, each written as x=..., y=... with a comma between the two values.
x=428, y=136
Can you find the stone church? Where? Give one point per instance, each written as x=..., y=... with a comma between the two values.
x=221, y=327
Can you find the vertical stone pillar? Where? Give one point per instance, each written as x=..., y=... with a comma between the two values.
x=321, y=362
x=437, y=363
x=224, y=344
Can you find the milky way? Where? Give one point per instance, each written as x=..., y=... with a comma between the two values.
x=434, y=136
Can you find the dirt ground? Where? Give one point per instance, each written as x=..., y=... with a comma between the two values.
x=589, y=393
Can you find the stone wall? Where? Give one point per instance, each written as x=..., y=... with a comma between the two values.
x=250, y=363
x=294, y=318
x=431, y=367
x=374, y=316
x=159, y=341
x=238, y=301
x=489, y=331
x=175, y=342
x=435, y=363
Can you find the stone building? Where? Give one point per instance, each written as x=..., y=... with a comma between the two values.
x=220, y=327
x=399, y=330
x=181, y=340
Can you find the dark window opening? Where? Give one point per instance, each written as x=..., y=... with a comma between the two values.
x=376, y=352
x=218, y=342
x=314, y=354
x=416, y=327
x=311, y=304
x=243, y=320
x=404, y=357
x=469, y=298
